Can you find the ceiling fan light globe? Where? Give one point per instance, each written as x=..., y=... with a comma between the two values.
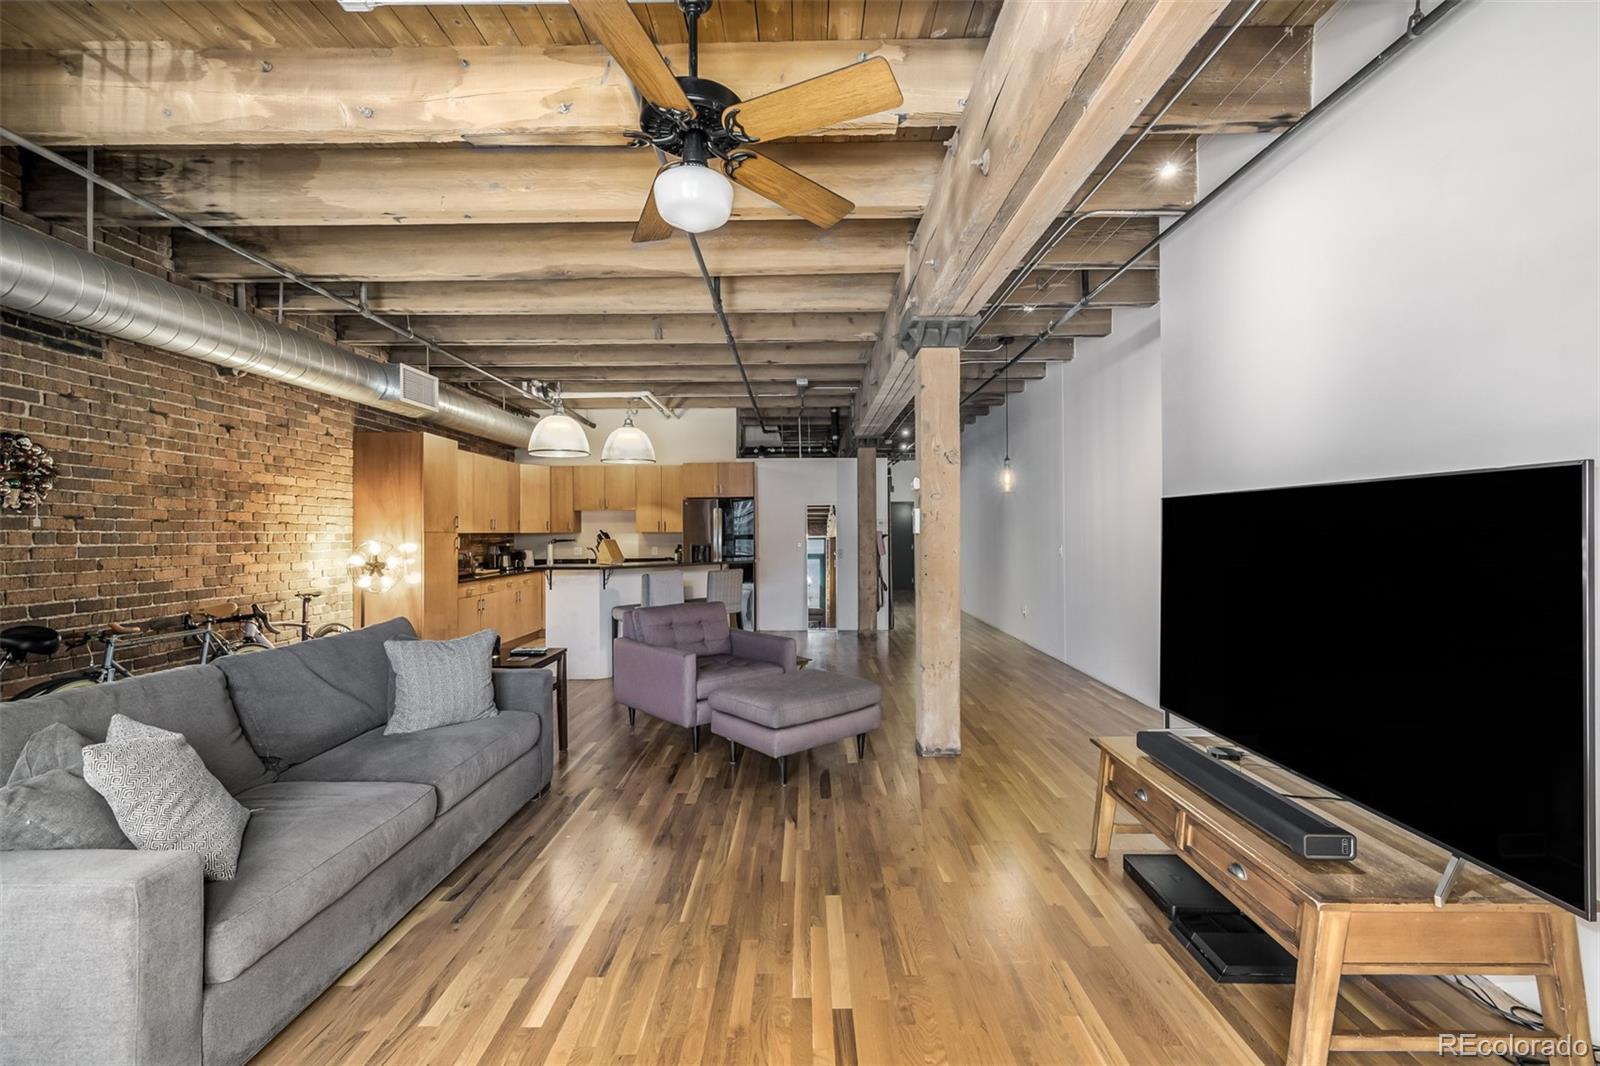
x=628, y=445
x=693, y=197
x=558, y=436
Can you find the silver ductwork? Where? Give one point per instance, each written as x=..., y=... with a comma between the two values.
x=42, y=276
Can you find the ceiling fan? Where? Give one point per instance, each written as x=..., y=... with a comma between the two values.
x=697, y=120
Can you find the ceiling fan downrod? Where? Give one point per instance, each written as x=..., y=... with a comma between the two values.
x=692, y=10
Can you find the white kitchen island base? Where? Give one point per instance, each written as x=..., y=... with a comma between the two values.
x=578, y=603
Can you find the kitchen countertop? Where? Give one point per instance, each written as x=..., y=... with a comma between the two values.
x=583, y=568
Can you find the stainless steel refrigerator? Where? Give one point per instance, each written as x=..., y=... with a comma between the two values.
x=723, y=530
x=719, y=530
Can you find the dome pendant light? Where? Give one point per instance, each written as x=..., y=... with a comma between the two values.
x=690, y=195
x=1008, y=477
x=628, y=445
x=558, y=435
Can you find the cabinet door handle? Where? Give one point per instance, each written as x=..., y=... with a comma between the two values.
x=1141, y=795
x=1236, y=870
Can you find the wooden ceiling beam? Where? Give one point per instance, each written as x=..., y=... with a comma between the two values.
x=613, y=329
x=1059, y=86
x=520, y=358
x=143, y=94
x=820, y=293
x=631, y=355
x=1261, y=80
x=434, y=185
x=600, y=250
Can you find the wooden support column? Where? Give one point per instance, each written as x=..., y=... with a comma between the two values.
x=867, y=540
x=938, y=678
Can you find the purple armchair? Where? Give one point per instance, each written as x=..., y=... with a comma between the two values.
x=671, y=658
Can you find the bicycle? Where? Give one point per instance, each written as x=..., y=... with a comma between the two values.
x=17, y=643
x=304, y=625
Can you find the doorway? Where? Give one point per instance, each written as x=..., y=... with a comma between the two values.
x=822, y=569
x=902, y=548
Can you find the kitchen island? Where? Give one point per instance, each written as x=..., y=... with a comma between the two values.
x=579, y=598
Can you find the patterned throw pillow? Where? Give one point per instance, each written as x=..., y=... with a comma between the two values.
x=46, y=804
x=164, y=797
x=441, y=682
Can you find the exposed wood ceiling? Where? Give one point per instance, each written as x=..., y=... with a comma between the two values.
x=464, y=164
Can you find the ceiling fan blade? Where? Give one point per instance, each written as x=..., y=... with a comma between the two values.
x=788, y=188
x=613, y=24
x=651, y=226
x=844, y=94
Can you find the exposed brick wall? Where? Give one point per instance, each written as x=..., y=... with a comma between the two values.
x=177, y=486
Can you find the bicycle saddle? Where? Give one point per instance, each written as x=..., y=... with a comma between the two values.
x=19, y=642
x=306, y=595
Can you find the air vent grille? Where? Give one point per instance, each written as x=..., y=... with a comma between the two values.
x=416, y=388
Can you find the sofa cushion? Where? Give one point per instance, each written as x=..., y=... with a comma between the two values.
x=192, y=700
x=164, y=797
x=713, y=672
x=454, y=759
x=441, y=682
x=797, y=698
x=701, y=628
x=307, y=845
x=298, y=701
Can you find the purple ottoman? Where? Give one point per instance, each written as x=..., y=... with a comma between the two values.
x=786, y=713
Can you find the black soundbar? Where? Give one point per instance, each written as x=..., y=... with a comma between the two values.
x=1306, y=834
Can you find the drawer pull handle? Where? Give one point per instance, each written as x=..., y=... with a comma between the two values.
x=1141, y=795
x=1238, y=871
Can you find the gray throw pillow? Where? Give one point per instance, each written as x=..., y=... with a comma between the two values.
x=57, y=746
x=441, y=682
x=164, y=797
x=46, y=805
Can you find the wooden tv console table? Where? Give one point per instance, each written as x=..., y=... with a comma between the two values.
x=1375, y=915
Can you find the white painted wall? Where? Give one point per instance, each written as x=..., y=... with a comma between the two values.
x=1359, y=310
x=1012, y=572
x=1111, y=464
x=784, y=489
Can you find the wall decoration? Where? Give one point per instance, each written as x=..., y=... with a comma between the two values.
x=27, y=473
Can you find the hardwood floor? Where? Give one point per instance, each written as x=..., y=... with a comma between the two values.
x=664, y=907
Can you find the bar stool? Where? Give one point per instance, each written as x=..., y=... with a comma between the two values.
x=662, y=588
x=727, y=588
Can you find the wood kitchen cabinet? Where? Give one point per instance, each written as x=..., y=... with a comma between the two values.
x=621, y=488
x=487, y=493
x=671, y=499
x=700, y=479
x=533, y=503
x=719, y=479
x=563, y=503
x=589, y=488
x=736, y=479
x=512, y=606
x=440, y=506
x=603, y=488
x=404, y=492
x=659, y=496
x=647, y=514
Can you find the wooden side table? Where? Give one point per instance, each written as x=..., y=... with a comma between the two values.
x=1375, y=915
x=546, y=658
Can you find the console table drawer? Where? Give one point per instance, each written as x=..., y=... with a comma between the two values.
x=1150, y=805
x=1261, y=895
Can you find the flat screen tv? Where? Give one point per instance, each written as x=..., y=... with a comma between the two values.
x=1421, y=646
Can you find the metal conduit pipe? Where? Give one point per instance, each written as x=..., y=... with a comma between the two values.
x=47, y=278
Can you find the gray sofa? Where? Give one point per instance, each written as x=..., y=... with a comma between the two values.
x=130, y=957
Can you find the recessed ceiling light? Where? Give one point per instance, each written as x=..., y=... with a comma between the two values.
x=1170, y=169
x=905, y=431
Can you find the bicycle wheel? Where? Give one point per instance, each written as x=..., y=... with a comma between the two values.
x=55, y=684
x=330, y=629
x=251, y=644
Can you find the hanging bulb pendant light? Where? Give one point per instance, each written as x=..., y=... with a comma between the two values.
x=1008, y=477
x=628, y=444
x=558, y=435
